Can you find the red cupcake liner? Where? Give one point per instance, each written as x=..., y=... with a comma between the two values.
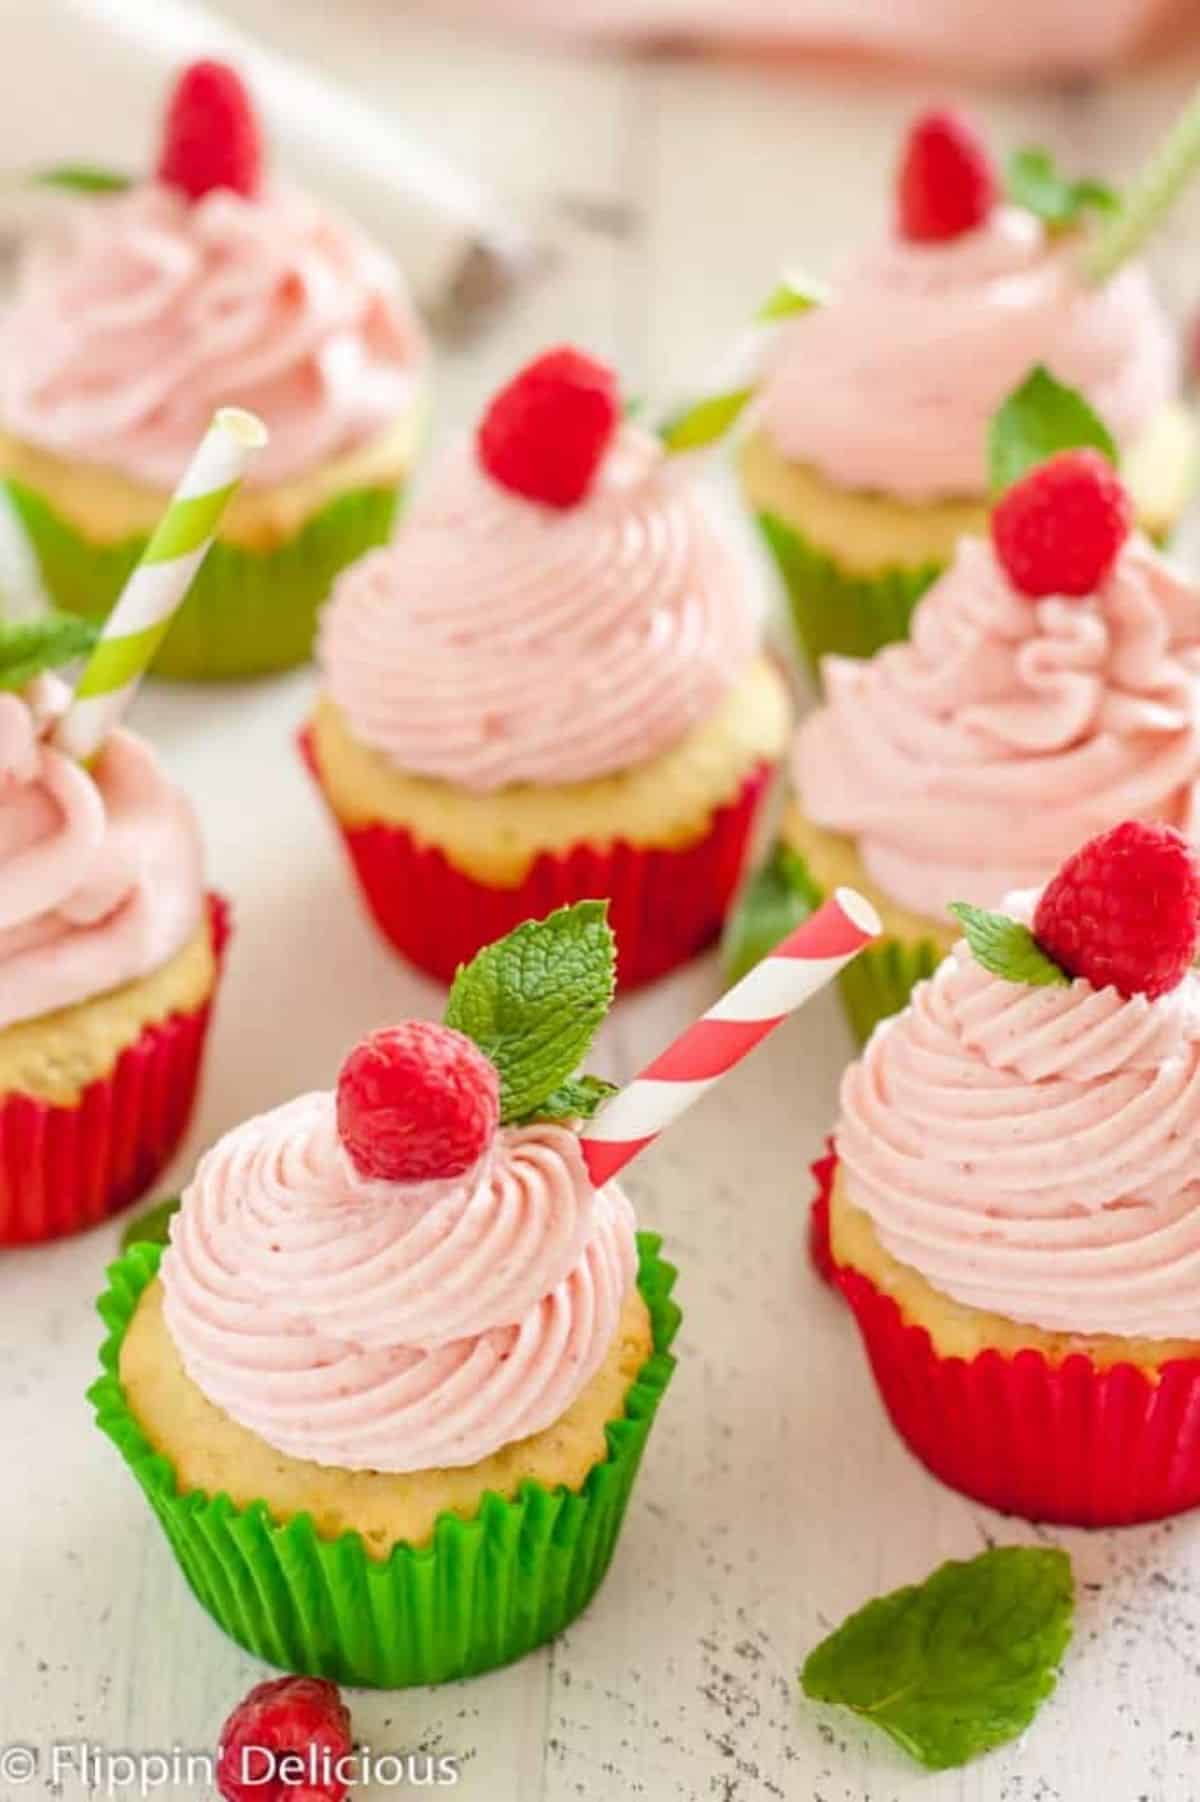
x=63, y=1169
x=665, y=905
x=1072, y=1443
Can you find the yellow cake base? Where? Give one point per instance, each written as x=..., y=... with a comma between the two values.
x=833, y=862
x=55, y=1056
x=106, y=507
x=666, y=803
x=958, y=1331
x=868, y=533
x=213, y=1454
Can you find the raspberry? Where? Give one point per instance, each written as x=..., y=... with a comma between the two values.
x=211, y=137
x=1124, y=912
x=417, y=1101
x=288, y=1741
x=1059, y=529
x=947, y=185
x=545, y=434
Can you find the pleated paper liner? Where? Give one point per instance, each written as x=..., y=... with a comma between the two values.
x=666, y=905
x=484, y=1592
x=1074, y=1443
x=248, y=613
x=835, y=611
x=63, y=1169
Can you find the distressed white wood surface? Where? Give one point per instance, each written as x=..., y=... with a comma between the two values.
x=774, y=1498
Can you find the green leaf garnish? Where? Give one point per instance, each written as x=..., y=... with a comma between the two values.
x=82, y=178
x=958, y=1664
x=576, y=1099
x=1032, y=181
x=777, y=897
x=1007, y=948
x=788, y=299
x=1041, y=417
x=27, y=647
x=704, y=421
x=532, y=1003
x=151, y=1226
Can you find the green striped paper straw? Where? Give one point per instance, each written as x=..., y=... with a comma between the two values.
x=1154, y=191
x=147, y=604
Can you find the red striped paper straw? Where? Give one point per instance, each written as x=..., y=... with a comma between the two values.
x=800, y=966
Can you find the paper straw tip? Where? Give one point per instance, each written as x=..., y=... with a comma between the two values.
x=246, y=429
x=859, y=911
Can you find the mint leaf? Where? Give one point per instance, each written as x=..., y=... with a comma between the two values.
x=576, y=1099
x=777, y=897
x=1038, y=419
x=27, y=647
x=83, y=178
x=1007, y=948
x=704, y=421
x=958, y=1664
x=151, y=1226
x=788, y=299
x=533, y=1000
x=1032, y=181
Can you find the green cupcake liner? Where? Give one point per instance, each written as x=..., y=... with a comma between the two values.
x=834, y=611
x=248, y=613
x=484, y=1592
x=880, y=980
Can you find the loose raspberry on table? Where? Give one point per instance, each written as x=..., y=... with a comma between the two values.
x=289, y=1741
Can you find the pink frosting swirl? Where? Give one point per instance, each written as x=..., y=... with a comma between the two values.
x=499, y=641
x=892, y=384
x=975, y=758
x=101, y=871
x=384, y=1326
x=148, y=312
x=1033, y=1151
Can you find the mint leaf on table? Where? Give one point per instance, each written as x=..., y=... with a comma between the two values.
x=576, y=1099
x=777, y=897
x=704, y=421
x=1033, y=182
x=1041, y=417
x=532, y=1003
x=958, y=1664
x=1007, y=948
x=27, y=647
x=83, y=178
x=151, y=1226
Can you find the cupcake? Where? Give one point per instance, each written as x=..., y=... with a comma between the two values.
x=109, y=957
x=388, y=1386
x=153, y=304
x=550, y=685
x=867, y=461
x=1014, y=1212
x=1049, y=690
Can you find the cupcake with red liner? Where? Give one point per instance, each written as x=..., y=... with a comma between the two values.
x=1014, y=1211
x=868, y=457
x=389, y=1385
x=550, y=685
x=1049, y=689
x=109, y=956
x=152, y=303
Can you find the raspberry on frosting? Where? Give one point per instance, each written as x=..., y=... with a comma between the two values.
x=947, y=185
x=1059, y=530
x=417, y=1102
x=546, y=433
x=1124, y=911
x=211, y=137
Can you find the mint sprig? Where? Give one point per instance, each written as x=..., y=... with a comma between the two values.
x=958, y=1664
x=779, y=895
x=1040, y=418
x=27, y=647
x=1007, y=948
x=1032, y=181
x=532, y=1003
x=82, y=178
x=704, y=422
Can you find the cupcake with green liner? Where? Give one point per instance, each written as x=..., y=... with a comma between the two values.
x=388, y=1386
x=152, y=303
x=866, y=460
x=1050, y=688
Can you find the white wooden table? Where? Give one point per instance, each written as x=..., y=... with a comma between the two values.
x=774, y=1497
